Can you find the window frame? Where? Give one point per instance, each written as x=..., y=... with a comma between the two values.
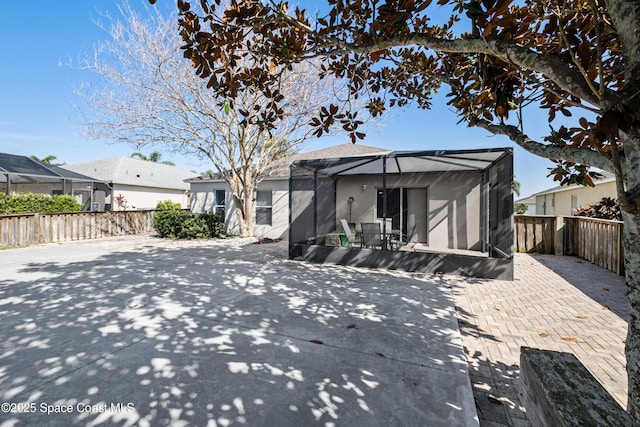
x=268, y=208
x=220, y=208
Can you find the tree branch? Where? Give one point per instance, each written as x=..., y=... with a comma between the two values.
x=550, y=66
x=553, y=152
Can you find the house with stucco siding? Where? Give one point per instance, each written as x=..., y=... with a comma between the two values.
x=564, y=200
x=140, y=183
x=211, y=193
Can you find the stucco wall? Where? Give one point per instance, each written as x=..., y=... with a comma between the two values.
x=559, y=203
x=202, y=199
x=147, y=197
x=453, y=201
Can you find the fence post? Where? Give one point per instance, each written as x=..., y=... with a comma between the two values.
x=558, y=241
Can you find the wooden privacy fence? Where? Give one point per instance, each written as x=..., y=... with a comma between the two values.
x=596, y=240
x=30, y=229
x=534, y=233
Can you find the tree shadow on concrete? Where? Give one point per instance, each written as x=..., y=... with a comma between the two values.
x=599, y=284
x=497, y=391
x=201, y=334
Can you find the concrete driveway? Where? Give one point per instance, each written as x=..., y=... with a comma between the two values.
x=142, y=331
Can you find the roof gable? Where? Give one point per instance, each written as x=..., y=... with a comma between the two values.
x=280, y=167
x=129, y=171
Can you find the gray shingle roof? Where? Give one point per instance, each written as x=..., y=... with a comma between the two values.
x=25, y=169
x=281, y=167
x=128, y=171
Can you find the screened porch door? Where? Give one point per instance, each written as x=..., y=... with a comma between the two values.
x=408, y=210
x=417, y=215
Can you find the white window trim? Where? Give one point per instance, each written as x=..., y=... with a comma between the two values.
x=270, y=207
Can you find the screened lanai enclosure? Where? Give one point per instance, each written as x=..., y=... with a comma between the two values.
x=425, y=211
x=22, y=174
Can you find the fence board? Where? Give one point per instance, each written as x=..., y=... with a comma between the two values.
x=596, y=240
x=30, y=229
x=534, y=233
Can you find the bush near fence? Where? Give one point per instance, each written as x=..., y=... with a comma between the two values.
x=19, y=203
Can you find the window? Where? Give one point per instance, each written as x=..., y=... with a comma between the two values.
x=574, y=202
x=263, y=207
x=219, y=203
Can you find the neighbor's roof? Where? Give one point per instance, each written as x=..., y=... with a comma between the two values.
x=129, y=171
x=23, y=169
x=399, y=162
x=280, y=168
x=531, y=200
x=608, y=177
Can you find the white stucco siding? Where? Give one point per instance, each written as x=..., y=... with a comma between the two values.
x=280, y=210
x=561, y=202
x=203, y=199
x=138, y=198
x=454, y=211
x=202, y=196
x=453, y=216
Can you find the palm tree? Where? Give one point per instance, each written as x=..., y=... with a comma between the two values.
x=49, y=160
x=153, y=157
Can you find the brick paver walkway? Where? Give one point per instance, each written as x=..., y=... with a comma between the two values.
x=555, y=303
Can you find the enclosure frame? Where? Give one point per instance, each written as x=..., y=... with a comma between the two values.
x=313, y=189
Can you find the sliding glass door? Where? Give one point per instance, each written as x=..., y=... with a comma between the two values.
x=407, y=208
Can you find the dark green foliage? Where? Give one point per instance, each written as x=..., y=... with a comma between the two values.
x=607, y=208
x=64, y=203
x=193, y=226
x=37, y=203
x=168, y=205
x=519, y=208
x=175, y=223
x=213, y=224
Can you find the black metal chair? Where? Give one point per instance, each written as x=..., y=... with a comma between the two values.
x=371, y=235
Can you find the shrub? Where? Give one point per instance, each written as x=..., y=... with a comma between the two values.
x=179, y=224
x=168, y=205
x=193, y=227
x=607, y=208
x=18, y=203
x=169, y=222
x=519, y=208
x=213, y=224
x=64, y=203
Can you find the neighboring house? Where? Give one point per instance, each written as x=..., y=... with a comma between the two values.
x=212, y=193
x=22, y=174
x=530, y=203
x=564, y=200
x=140, y=184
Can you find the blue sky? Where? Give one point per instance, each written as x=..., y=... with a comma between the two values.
x=36, y=98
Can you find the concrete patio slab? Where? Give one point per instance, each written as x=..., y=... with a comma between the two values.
x=222, y=333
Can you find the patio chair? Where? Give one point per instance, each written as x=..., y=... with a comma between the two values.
x=349, y=234
x=371, y=235
x=396, y=242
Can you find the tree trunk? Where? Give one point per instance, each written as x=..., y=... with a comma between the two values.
x=631, y=242
x=249, y=213
x=244, y=200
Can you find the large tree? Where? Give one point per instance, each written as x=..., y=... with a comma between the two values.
x=146, y=94
x=579, y=60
